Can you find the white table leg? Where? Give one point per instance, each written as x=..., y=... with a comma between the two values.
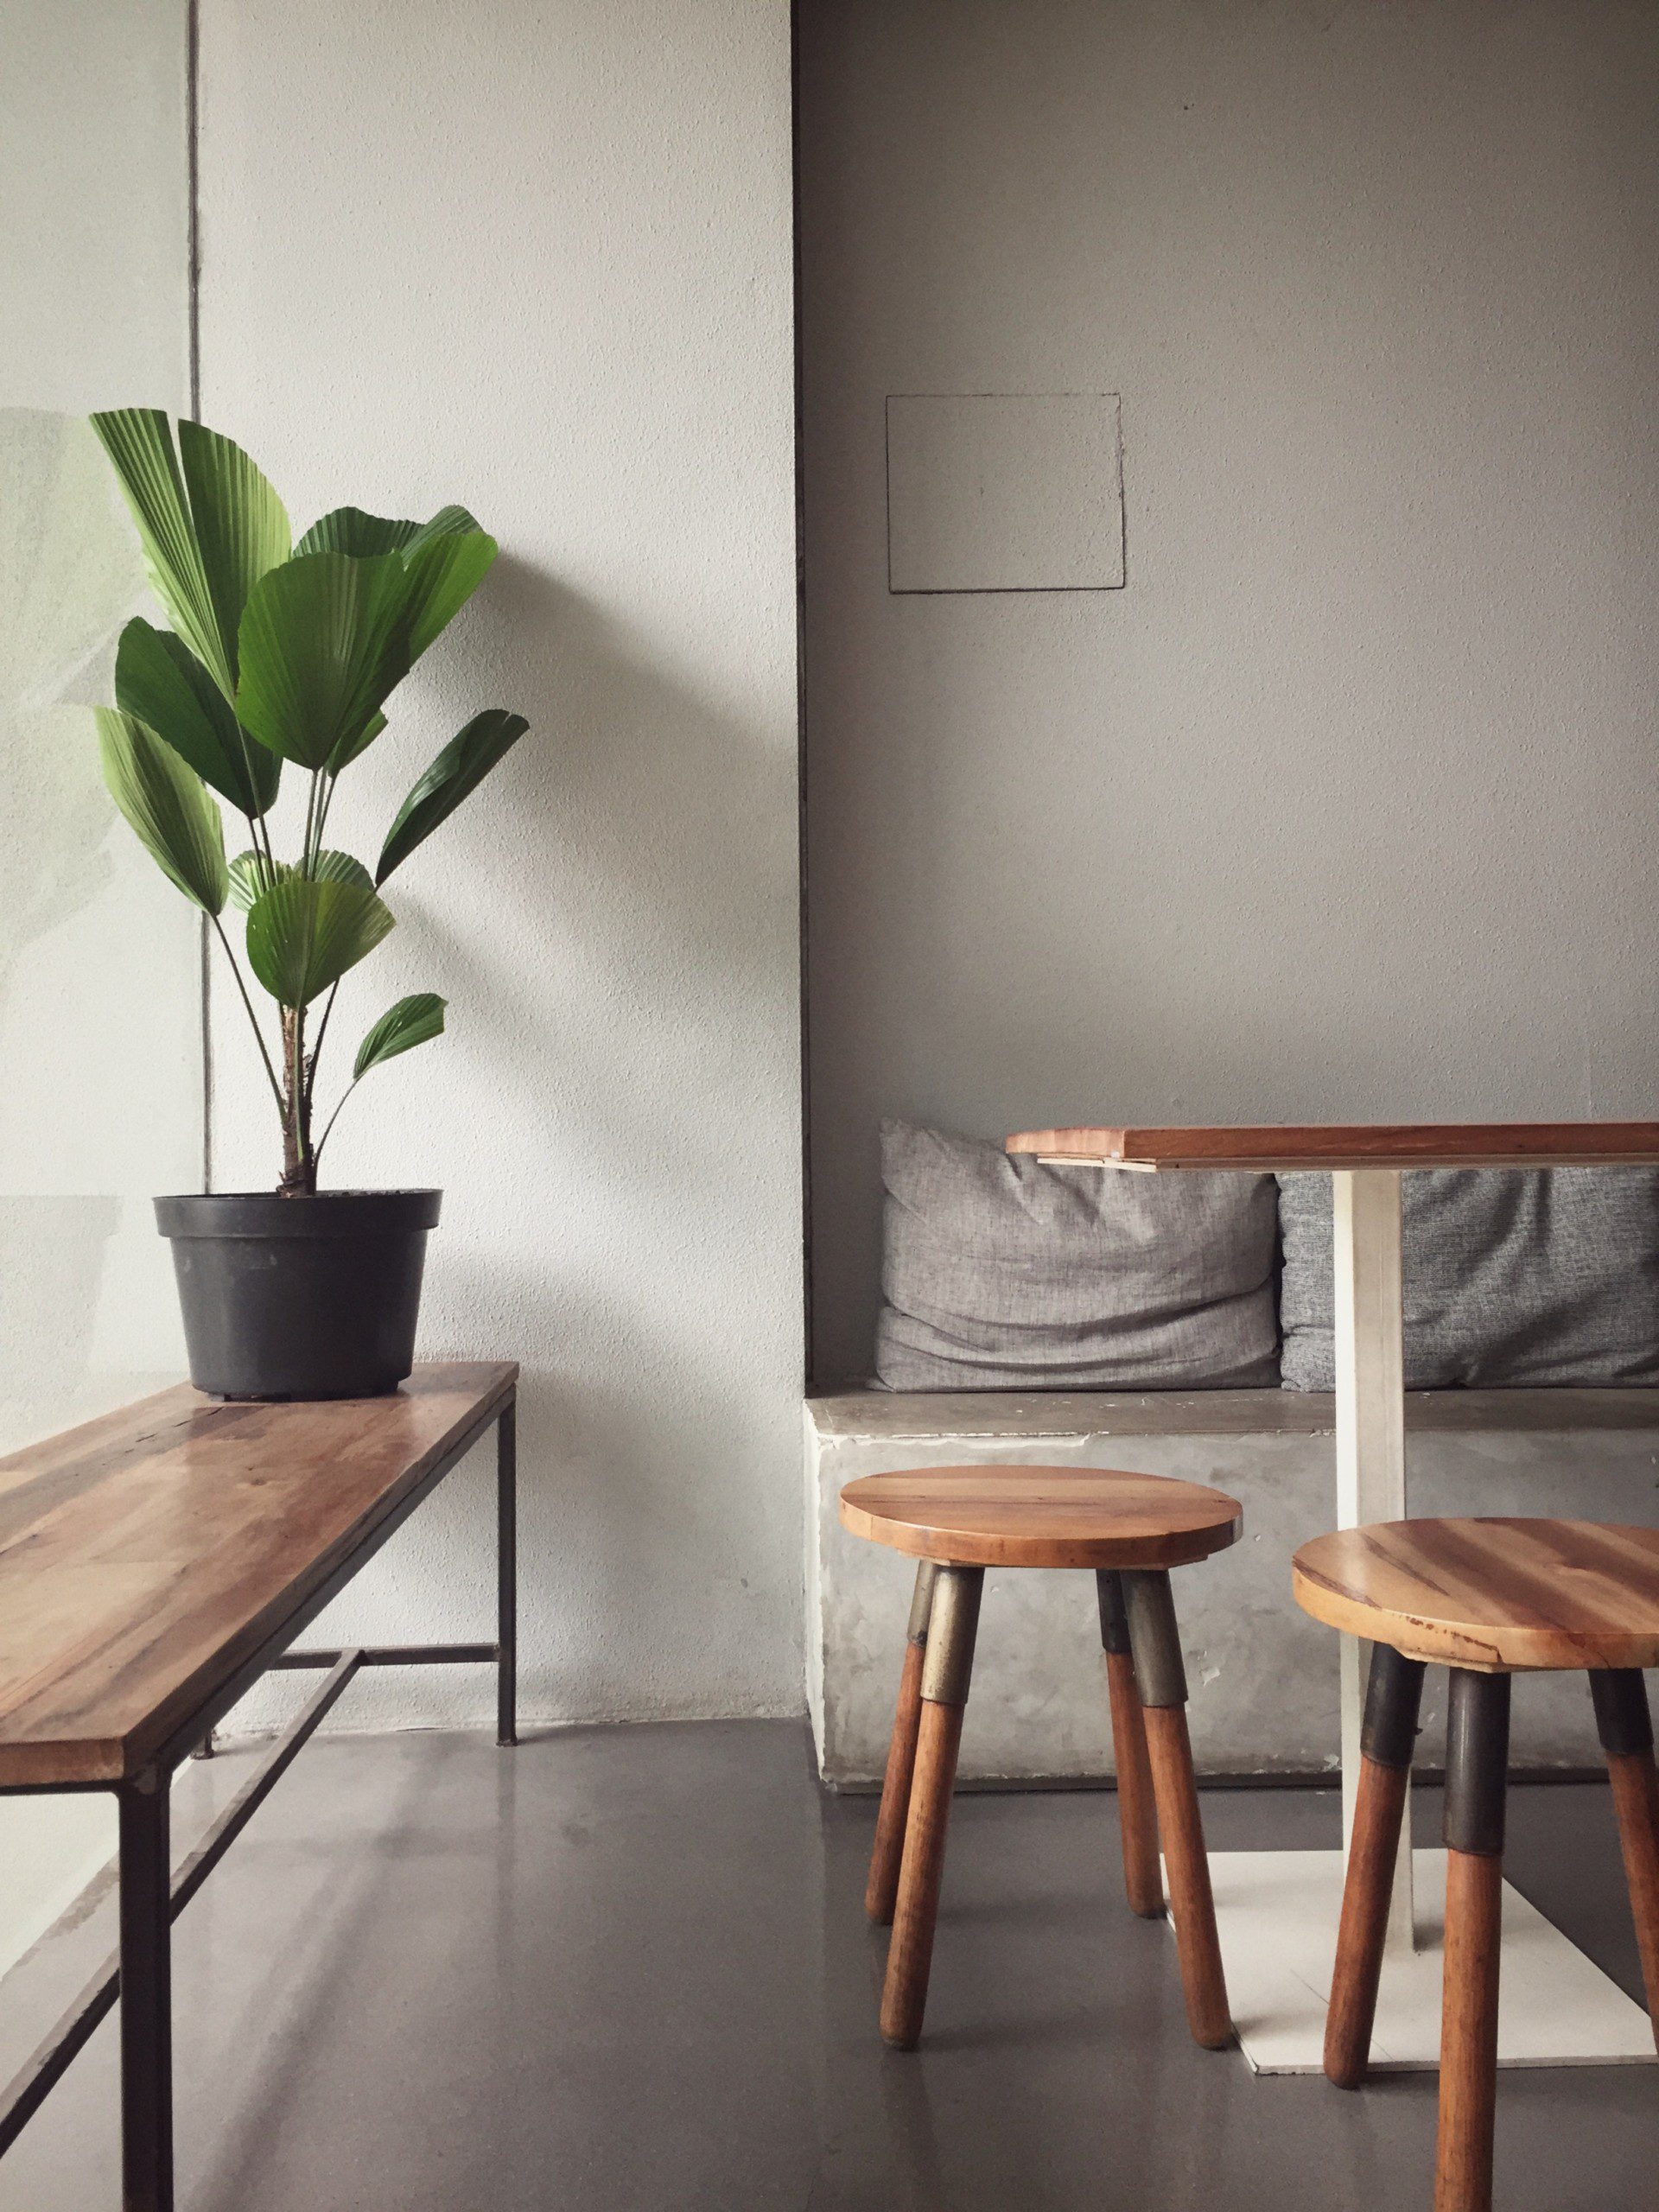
x=1370, y=1435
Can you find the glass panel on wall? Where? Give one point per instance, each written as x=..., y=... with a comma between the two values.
x=101, y=1037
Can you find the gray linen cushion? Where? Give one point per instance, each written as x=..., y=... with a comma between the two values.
x=1512, y=1277
x=1000, y=1273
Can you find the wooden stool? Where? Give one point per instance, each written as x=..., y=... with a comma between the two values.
x=1487, y=1598
x=1131, y=1529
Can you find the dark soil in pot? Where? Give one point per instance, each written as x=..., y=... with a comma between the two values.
x=300, y=1298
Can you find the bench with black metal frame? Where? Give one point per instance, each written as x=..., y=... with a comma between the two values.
x=179, y=1492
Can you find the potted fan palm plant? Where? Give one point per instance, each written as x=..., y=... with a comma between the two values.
x=282, y=656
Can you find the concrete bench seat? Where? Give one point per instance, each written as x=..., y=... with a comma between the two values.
x=1264, y=1676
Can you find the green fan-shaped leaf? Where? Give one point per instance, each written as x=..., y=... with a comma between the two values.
x=209, y=529
x=303, y=934
x=140, y=446
x=252, y=875
x=168, y=805
x=331, y=866
x=241, y=525
x=324, y=639
x=459, y=768
x=160, y=680
x=412, y=1022
x=445, y=568
x=349, y=529
x=445, y=560
x=448, y=522
x=347, y=751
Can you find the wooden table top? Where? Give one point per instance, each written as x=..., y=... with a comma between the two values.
x=1493, y=1595
x=1041, y=1517
x=145, y=1556
x=1350, y=1145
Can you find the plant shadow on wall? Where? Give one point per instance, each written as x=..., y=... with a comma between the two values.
x=285, y=656
x=68, y=576
x=627, y=1010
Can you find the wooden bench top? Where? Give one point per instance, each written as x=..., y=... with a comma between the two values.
x=145, y=1556
x=1344, y=1144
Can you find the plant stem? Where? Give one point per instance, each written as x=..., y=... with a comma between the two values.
x=259, y=1034
x=260, y=836
x=316, y=1050
x=326, y=783
x=301, y=1110
x=311, y=838
x=299, y=1161
x=257, y=823
x=290, y=1184
x=334, y=1116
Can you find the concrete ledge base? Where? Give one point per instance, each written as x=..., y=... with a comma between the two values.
x=1263, y=1677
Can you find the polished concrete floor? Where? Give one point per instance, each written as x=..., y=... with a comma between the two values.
x=626, y=1970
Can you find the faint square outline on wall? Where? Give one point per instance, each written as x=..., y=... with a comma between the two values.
x=1112, y=550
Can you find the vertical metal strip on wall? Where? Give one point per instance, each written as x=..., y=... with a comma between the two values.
x=193, y=341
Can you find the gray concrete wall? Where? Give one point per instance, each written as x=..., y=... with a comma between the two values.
x=1344, y=806
x=1263, y=1677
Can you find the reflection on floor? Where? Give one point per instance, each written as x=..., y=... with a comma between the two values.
x=625, y=1969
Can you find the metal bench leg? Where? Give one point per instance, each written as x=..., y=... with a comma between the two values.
x=146, y=1996
x=506, y=1538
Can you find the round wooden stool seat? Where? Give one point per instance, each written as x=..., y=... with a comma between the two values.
x=1040, y=1517
x=1491, y=1596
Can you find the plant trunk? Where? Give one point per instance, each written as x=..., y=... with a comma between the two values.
x=299, y=1162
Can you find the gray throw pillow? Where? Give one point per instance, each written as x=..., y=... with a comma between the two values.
x=1000, y=1273
x=1512, y=1277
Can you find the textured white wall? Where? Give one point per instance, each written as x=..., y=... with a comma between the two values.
x=538, y=258
x=100, y=1034
x=1346, y=806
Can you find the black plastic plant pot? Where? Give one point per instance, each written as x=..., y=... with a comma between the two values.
x=300, y=1298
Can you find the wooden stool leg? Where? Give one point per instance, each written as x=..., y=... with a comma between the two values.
x=1137, y=1812
x=1477, y=1749
x=882, y=1888
x=947, y=1665
x=1161, y=1679
x=1392, y=1703
x=1627, y=1731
